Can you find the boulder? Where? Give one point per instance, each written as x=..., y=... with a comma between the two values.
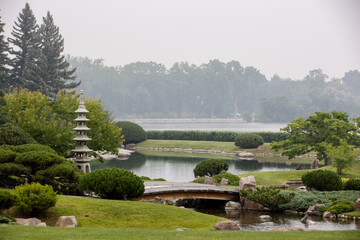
x=290, y=212
x=265, y=217
x=247, y=183
x=303, y=220
x=158, y=199
x=245, y=155
x=209, y=181
x=329, y=215
x=66, y=221
x=224, y=182
x=314, y=210
x=293, y=229
x=30, y=222
x=357, y=205
x=314, y=164
x=226, y=225
x=310, y=222
x=130, y=146
x=231, y=205
x=251, y=205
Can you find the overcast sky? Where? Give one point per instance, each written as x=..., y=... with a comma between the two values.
x=284, y=37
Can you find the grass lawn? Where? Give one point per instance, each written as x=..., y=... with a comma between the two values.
x=44, y=233
x=93, y=212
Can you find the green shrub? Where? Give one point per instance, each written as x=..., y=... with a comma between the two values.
x=303, y=200
x=233, y=180
x=13, y=135
x=133, y=133
x=7, y=200
x=210, y=167
x=322, y=180
x=113, y=183
x=6, y=219
x=268, y=197
x=145, y=178
x=352, y=184
x=341, y=206
x=199, y=180
x=12, y=174
x=38, y=160
x=7, y=156
x=159, y=180
x=32, y=147
x=34, y=198
x=248, y=140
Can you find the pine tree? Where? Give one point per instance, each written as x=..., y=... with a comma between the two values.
x=4, y=60
x=25, y=69
x=53, y=67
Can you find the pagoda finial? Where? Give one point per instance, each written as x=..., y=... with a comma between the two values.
x=82, y=97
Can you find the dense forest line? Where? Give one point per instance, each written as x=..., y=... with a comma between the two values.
x=214, y=89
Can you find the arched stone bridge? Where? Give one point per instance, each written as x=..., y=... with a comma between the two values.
x=178, y=190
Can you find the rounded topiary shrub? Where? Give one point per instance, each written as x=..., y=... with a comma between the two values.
x=133, y=133
x=7, y=155
x=341, y=206
x=38, y=160
x=232, y=179
x=12, y=174
x=13, y=135
x=352, y=184
x=322, y=180
x=7, y=200
x=34, y=198
x=210, y=167
x=113, y=183
x=248, y=140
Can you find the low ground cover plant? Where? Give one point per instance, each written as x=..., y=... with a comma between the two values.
x=341, y=206
x=322, y=180
x=233, y=180
x=112, y=183
x=210, y=167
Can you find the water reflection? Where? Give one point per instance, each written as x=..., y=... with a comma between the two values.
x=180, y=169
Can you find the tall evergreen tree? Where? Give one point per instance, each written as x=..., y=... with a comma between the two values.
x=25, y=69
x=53, y=67
x=4, y=59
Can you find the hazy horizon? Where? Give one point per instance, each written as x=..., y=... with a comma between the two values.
x=287, y=38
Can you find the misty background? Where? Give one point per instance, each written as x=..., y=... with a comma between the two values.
x=267, y=61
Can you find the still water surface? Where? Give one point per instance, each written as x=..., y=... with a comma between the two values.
x=180, y=169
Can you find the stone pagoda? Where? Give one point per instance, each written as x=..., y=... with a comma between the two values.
x=81, y=150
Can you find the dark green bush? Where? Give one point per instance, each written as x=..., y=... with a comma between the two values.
x=341, y=206
x=13, y=135
x=248, y=140
x=145, y=178
x=303, y=200
x=352, y=184
x=210, y=167
x=199, y=180
x=6, y=219
x=322, y=180
x=12, y=174
x=7, y=200
x=159, y=179
x=113, y=183
x=7, y=156
x=233, y=180
x=32, y=147
x=34, y=198
x=268, y=197
x=38, y=160
x=133, y=133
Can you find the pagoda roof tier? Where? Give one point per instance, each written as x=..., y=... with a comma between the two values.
x=81, y=128
x=81, y=109
x=81, y=119
x=82, y=159
x=81, y=149
x=81, y=138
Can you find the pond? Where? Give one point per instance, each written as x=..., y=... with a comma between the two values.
x=180, y=169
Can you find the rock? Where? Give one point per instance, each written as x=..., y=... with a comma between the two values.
x=251, y=205
x=130, y=146
x=226, y=225
x=66, y=221
x=310, y=222
x=314, y=210
x=293, y=229
x=245, y=155
x=231, y=205
x=301, y=167
x=158, y=199
x=357, y=205
x=30, y=222
x=224, y=182
x=247, y=183
x=293, y=182
x=124, y=153
x=290, y=212
x=265, y=217
x=209, y=181
x=182, y=229
x=314, y=164
x=303, y=220
x=302, y=188
x=329, y=215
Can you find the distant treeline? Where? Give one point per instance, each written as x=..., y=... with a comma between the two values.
x=214, y=89
x=221, y=136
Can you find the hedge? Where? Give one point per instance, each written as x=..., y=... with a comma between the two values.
x=221, y=136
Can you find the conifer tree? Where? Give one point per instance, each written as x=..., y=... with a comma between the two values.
x=25, y=40
x=54, y=71
x=4, y=60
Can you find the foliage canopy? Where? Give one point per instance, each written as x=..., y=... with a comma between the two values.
x=210, y=167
